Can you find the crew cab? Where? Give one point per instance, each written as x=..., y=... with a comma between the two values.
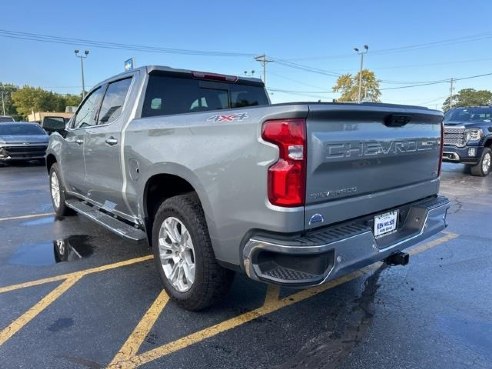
x=218, y=180
x=468, y=138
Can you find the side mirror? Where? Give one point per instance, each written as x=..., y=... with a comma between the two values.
x=53, y=124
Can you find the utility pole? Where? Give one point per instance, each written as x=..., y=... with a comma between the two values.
x=263, y=61
x=82, y=57
x=361, y=53
x=451, y=90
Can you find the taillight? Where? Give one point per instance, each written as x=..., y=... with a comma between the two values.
x=287, y=177
x=441, y=151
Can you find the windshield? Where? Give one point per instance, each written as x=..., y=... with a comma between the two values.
x=20, y=130
x=469, y=115
x=6, y=119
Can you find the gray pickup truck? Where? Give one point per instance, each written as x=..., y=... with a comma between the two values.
x=218, y=180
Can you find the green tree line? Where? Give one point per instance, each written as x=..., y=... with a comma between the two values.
x=468, y=97
x=19, y=102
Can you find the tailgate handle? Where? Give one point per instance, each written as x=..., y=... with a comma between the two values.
x=396, y=120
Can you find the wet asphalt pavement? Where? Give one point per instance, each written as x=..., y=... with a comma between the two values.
x=434, y=313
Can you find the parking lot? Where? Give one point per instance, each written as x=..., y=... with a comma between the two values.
x=73, y=295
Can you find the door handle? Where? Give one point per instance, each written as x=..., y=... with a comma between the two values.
x=111, y=141
x=79, y=142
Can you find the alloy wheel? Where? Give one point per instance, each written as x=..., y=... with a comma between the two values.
x=176, y=253
x=55, y=190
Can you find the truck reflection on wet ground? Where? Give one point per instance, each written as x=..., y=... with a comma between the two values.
x=48, y=253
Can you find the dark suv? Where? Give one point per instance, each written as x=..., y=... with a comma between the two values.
x=468, y=138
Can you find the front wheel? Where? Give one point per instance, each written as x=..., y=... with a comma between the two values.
x=57, y=192
x=483, y=167
x=184, y=256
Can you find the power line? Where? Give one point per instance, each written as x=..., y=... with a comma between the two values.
x=435, y=64
x=445, y=42
x=295, y=80
x=433, y=100
x=437, y=82
x=115, y=45
x=299, y=91
x=306, y=68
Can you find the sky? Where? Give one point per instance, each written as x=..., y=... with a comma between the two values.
x=310, y=43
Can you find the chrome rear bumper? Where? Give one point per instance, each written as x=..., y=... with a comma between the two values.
x=331, y=252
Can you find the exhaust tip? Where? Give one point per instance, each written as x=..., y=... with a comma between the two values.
x=398, y=258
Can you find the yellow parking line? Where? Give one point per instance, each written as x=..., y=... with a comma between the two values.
x=272, y=294
x=428, y=245
x=116, y=265
x=236, y=321
x=75, y=274
x=34, y=283
x=272, y=304
x=69, y=280
x=29, y=216
x=133, y=343
x=29, y=315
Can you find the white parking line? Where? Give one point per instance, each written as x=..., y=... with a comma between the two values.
x=27, y=216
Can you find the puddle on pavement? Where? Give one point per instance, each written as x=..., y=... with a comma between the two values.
x=47, y=253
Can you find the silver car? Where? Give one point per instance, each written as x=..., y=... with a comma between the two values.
x=22, y=141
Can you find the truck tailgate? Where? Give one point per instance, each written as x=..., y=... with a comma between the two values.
x=363, y=159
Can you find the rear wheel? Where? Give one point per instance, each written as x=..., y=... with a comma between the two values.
x=184, y=256
x=57, y=191
x=483, y=167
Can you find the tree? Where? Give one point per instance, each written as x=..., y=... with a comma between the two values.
x=20, y=102
x=72, y=100
x=348, y=86
x=468, y=97
x=6, y=102
x=29, y=99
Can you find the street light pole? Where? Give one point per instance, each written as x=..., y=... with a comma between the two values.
x=361, y=53
x=82, y=57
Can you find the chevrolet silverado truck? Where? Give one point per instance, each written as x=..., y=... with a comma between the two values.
x=218, y=180
x=468, y=138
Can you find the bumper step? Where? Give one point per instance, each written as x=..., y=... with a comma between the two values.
x=107, y=221
x=280, y=273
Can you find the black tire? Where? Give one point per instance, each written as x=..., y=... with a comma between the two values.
x=483, y=167
x=211, y=281
x=61, y=209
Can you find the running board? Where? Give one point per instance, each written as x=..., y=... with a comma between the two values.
x=107, y=221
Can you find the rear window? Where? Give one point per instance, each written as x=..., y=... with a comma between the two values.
x=168, y=95
x=21, y=130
